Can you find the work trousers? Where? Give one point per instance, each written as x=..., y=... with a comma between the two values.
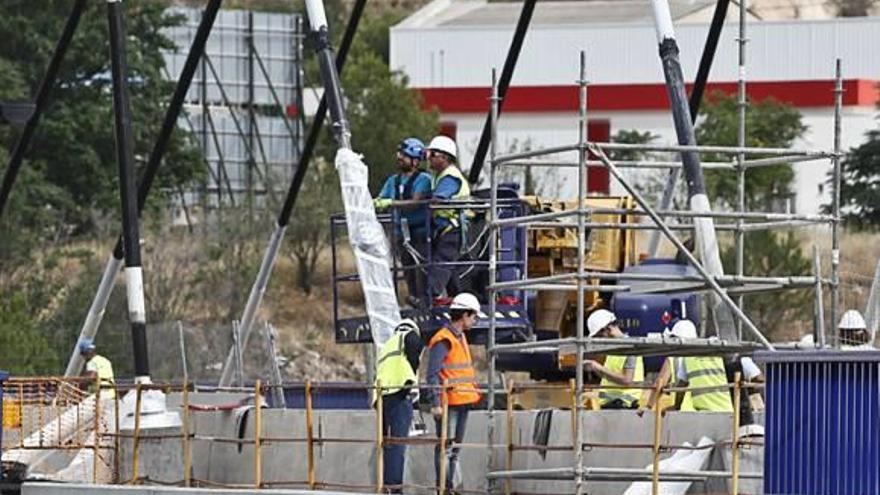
x=456, y=424
x=746, y=417
x=397, y=414
x=446, y=248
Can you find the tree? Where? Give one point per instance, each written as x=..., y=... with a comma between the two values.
x=853, y=8
x=860, y=184
x=74, y=146
x=769, y=123
x=772, y=254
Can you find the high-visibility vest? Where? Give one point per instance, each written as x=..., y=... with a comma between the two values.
x=708, y=372
x=458, y=369
x=464, y=192
x=630, y=396
x=104, y=369
x=393, y=371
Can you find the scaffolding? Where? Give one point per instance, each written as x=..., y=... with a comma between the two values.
x=729, y=289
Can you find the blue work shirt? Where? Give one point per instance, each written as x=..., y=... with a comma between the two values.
x=398, y=188
x=446, y=188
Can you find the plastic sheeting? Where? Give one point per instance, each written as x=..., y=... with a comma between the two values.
x=681, y=460
x=370, y=247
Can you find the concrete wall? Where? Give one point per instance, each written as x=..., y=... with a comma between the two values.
x=285, y=463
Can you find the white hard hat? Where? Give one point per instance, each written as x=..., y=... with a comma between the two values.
x=807, y=340
x=407, y=324
x=466, y=301
x=684, y=329
x=852, y=320
x=598, y=320
x=444, y=144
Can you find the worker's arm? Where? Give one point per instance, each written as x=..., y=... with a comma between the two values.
x=624, y=378
x=660, y=382
x=446, y=188
x=436, y=356
x=386, y=195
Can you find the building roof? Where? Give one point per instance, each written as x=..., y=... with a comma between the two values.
x=469, y=13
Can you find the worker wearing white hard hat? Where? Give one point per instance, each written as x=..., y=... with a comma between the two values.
x=617, y=371
x=706, y=375
x=450, y=365
x=854, y=333
x=449, y=226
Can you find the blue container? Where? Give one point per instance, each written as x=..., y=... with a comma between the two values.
x=3, y=377
x=641, y=314
x=822, y=422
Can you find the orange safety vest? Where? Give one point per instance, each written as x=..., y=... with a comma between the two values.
x=458, y=369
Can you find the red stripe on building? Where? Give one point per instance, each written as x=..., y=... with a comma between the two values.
x=611, y=97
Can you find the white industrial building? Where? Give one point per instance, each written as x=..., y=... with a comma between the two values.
x=448, y=49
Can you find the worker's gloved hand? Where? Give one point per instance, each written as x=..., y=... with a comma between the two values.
x=414, y=395
x=382, y=203
x=437, y=412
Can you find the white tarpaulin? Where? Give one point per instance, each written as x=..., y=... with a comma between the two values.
x=369, y=245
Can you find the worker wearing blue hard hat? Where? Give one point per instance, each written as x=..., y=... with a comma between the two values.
x=401, y=193
x=98, y=369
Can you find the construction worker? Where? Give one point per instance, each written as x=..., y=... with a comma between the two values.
x=450, y=364
x=617, y=370
x=410, y=220
x=854, y=335
x=97, y=368
x=397, y=373
x=704, y=374
x=449, y=231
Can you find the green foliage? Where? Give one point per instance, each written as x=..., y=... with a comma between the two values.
x=769, y=124
x=860, y=184
x=24, y=350
x=631, y=136
x=74, y=146
x=774, y=254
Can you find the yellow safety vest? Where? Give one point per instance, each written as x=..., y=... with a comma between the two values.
x=104, y=369
x=630, y=396
x=464, y=192
x=393, y=370
x=708, y=372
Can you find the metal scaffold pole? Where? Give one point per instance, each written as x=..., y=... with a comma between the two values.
x=741, y=106
x=493, y=271
x=835, y=223
x=581, y=245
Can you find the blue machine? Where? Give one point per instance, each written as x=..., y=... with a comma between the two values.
x=641, y=314
x=822, y=422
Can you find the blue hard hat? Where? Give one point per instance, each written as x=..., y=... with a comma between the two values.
x=412, y=147
x=86, y=345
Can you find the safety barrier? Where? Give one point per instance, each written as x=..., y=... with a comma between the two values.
x=62, y=396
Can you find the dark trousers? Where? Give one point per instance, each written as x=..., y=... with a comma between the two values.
x=456, y=423
x=413, y=268
x=731, y=367
x=446, y=248
x=397, y=413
